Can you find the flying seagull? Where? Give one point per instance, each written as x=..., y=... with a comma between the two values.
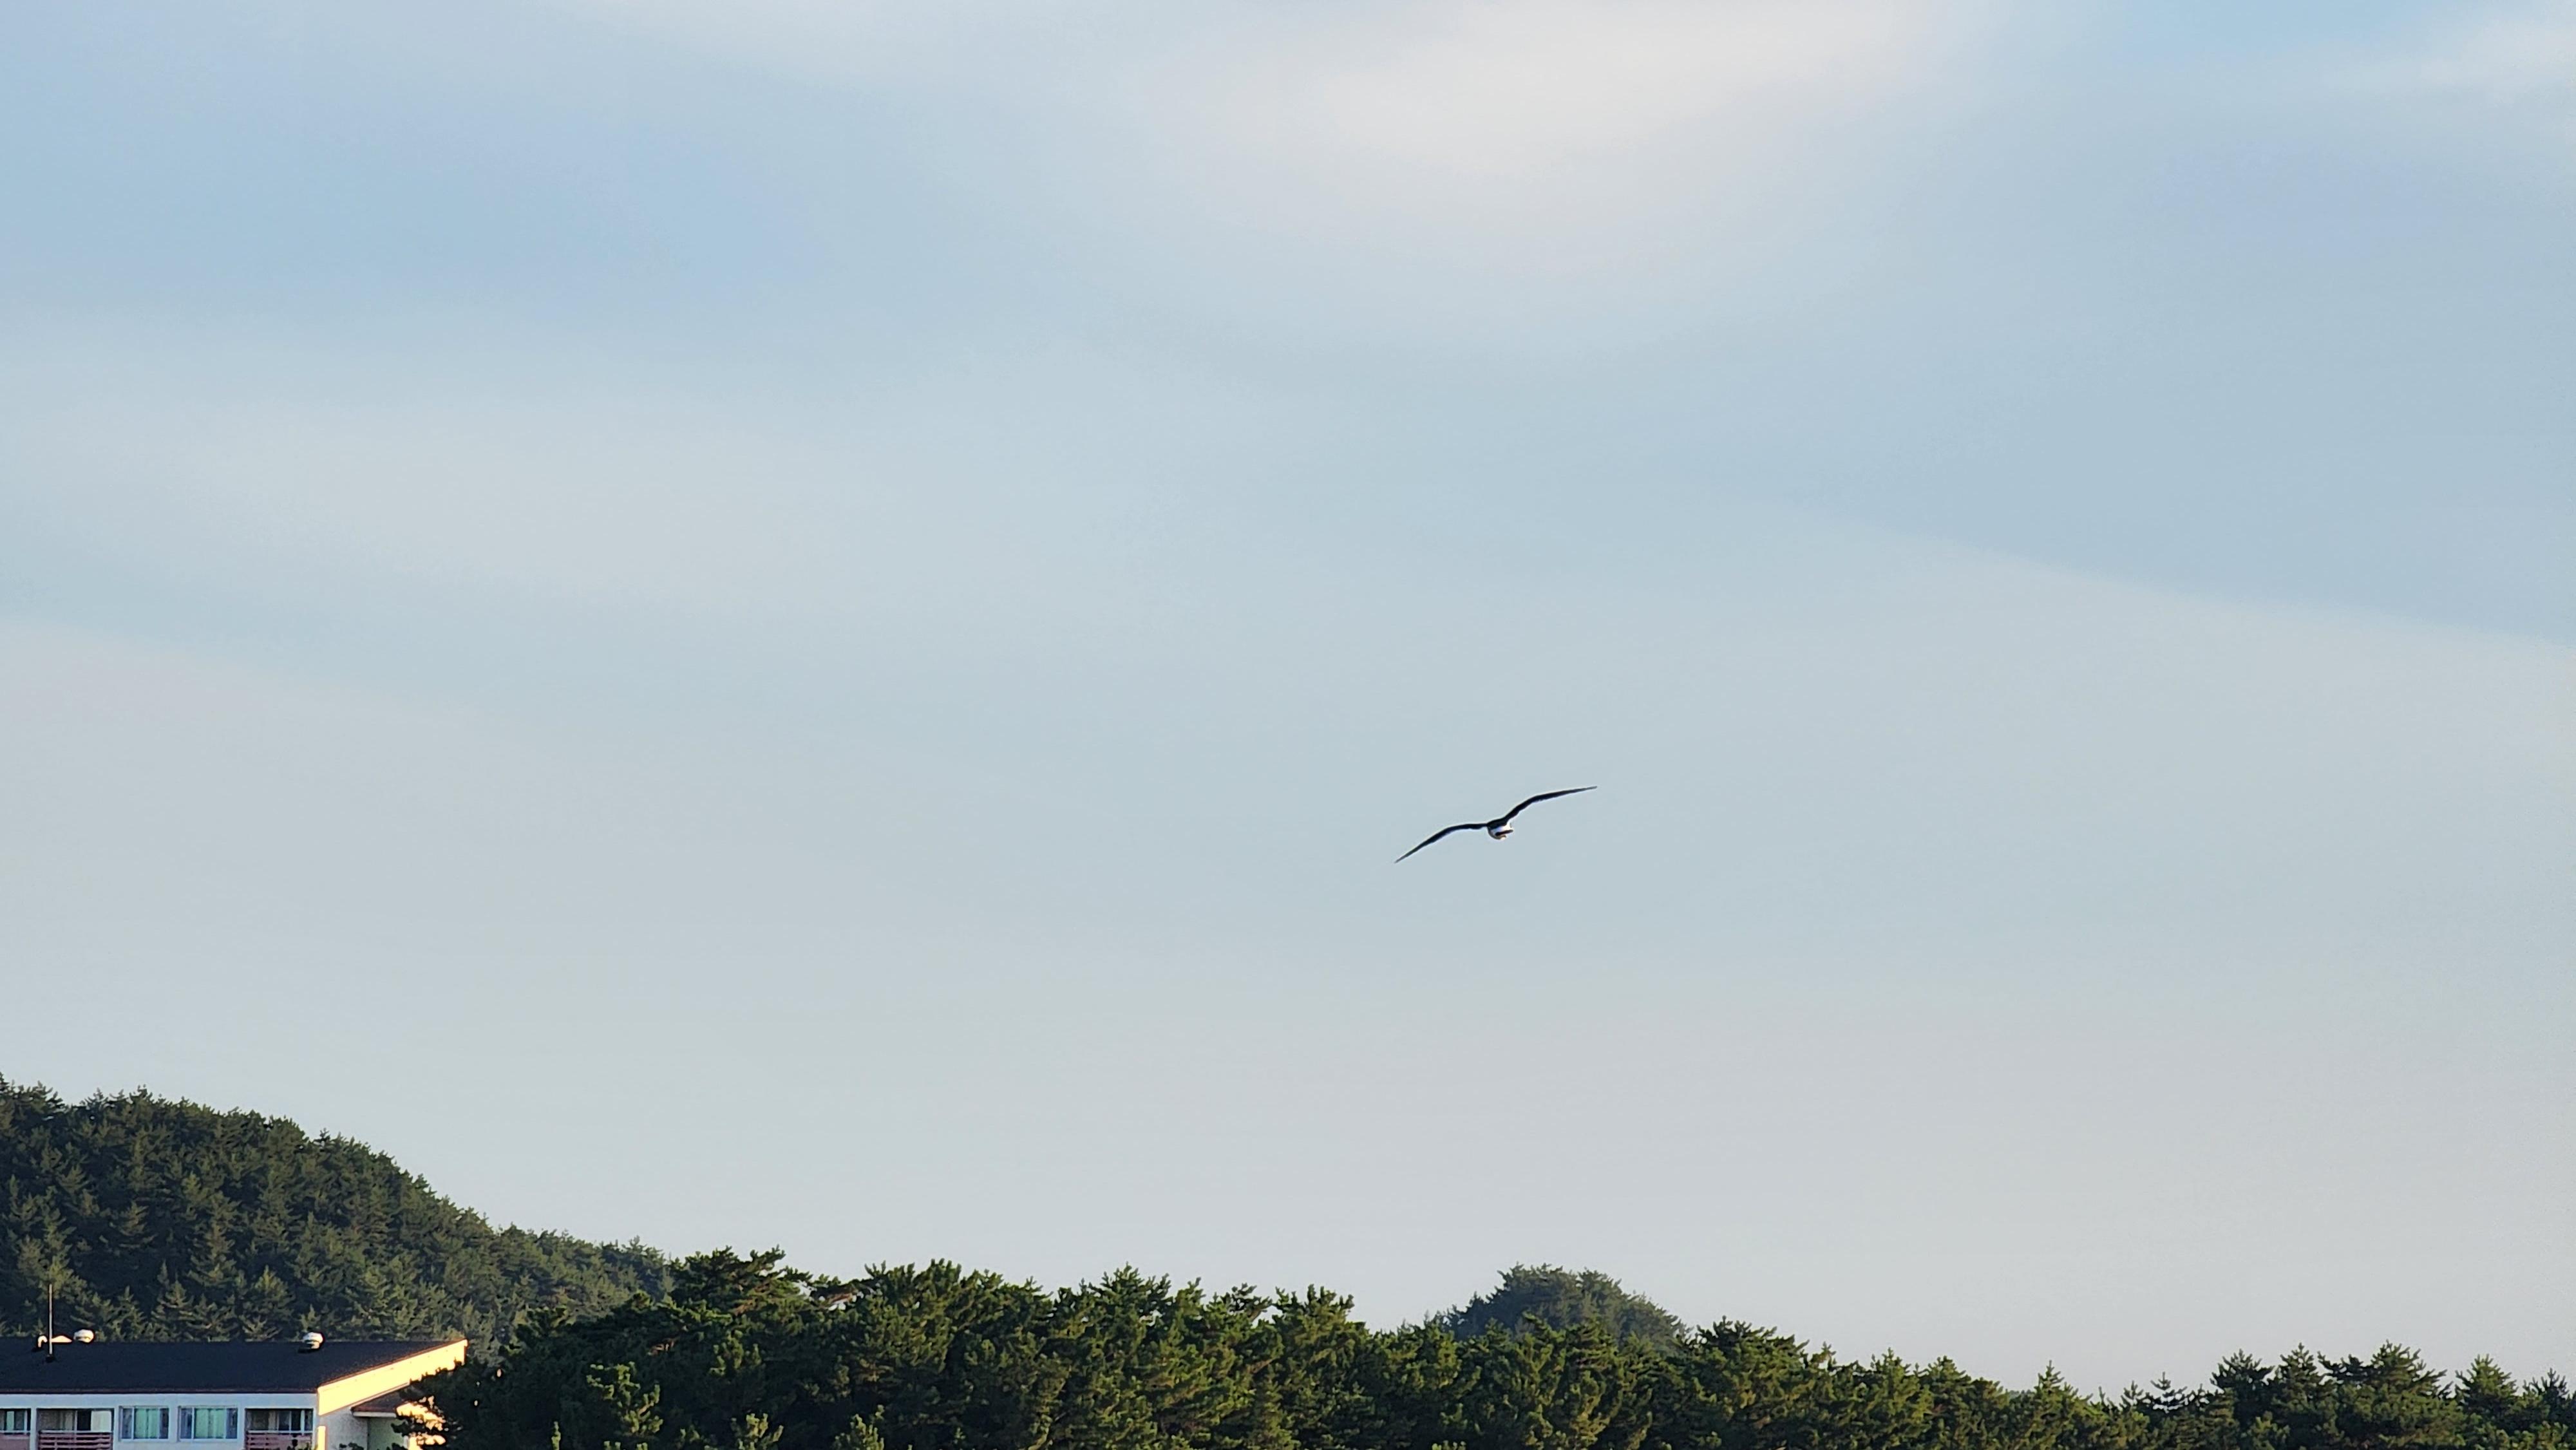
x=1500, y=826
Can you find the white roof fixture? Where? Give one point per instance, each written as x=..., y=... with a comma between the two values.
x=84, y=1336
x=312, y=1341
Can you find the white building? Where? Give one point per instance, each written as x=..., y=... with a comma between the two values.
x=313, y=1394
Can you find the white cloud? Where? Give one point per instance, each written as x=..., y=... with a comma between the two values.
x=1513, y=90
x=1507, y=138
x=2506, y=57
x=1451, y=147
x=2520, y=59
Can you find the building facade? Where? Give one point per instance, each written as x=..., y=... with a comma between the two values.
x=312, y=1394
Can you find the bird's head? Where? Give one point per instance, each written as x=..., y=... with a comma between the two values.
x=1498, y=832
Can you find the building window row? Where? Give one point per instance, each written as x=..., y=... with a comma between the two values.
x=263, y=1430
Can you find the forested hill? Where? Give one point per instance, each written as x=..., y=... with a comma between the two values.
x=157, y=1219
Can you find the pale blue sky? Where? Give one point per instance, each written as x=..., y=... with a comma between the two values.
x=815, y=623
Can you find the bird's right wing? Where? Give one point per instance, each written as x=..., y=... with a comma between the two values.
x=1545, y=796
x=1436, y=835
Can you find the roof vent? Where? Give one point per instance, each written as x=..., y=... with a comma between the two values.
x=84, y=1336
x=312, y=1342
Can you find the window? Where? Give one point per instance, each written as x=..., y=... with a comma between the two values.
x=143, y=1422
x=281, y=1422
x=209, y=1422
x=15, y=1422
x=79, y=1422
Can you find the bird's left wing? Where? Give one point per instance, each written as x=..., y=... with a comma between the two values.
x=1543, y=796
x=1436, y=835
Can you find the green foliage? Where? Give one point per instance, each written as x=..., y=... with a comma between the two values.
x=1561, y=1299
x=746, y=1352
x=154, y=1219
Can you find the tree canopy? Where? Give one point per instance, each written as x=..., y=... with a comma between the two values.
x=747, y=1354
x=154, y=1219
x=1561, y=1299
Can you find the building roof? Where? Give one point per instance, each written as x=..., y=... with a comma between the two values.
x=136, y=1367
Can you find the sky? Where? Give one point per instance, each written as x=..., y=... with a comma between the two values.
x=816, y=623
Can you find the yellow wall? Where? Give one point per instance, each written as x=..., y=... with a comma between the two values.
x=340, y=1394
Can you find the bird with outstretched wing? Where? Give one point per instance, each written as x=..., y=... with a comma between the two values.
x=1500, y=826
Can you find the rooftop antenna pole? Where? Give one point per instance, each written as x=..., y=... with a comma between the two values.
x=49, y=1319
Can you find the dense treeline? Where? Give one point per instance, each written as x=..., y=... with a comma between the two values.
x=155, y=1219
x=152, y=1218
x=747, y=1355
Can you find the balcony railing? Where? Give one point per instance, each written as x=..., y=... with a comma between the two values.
x=259, y=1440
x=75, y=1440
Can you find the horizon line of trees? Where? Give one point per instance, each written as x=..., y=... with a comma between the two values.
x=747, y=1354
x=154, y=1219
